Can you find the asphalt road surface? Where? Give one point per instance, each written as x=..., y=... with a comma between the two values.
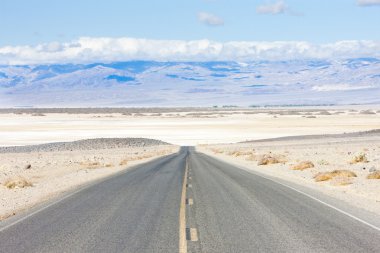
x=187, y=202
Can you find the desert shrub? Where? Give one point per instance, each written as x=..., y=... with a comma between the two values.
x=17, y=183
x=374, y=175
x=303, y=165
x=325, y=176
x=267, y=159
x=239, y=153
x=123, y=162
x=91, y=165
x=361, y=158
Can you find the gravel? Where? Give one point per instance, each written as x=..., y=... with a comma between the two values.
x=88, y=144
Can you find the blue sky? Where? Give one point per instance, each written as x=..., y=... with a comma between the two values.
x=27, y=22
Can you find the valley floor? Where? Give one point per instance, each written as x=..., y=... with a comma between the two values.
x=182, y=126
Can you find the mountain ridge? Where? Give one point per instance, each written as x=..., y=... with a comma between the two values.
x=153, y=83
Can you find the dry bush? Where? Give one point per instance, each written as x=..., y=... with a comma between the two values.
x=17, y=183
x=374, y=175
x=95, y=165
x=268, y=159
x=303, y=165
x=140, y=157
x=361, y=158
x=239, y=153
x=123, y=162
x=325, y=176
x=91, y=165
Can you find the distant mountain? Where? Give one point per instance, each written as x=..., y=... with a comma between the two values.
x=149, y=83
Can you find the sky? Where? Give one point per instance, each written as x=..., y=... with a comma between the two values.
x=48, y=30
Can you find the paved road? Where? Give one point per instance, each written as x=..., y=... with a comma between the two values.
x=227, y=210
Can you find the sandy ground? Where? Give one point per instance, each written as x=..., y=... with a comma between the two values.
x=52, y=173
x=185, y=128
x=326, y=154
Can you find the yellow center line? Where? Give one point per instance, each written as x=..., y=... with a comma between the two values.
x=182, y=214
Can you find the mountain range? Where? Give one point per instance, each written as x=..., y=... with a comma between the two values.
x=222, y=83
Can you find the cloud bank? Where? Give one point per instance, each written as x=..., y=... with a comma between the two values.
x=88, y=49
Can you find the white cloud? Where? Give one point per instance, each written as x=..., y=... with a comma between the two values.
x=210, y=19
x=368, y=2
x=88, y=49
x=272, y=8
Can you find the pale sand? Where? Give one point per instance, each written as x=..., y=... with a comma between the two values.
x=327, y=154
x=53, y=173
x=184, y=128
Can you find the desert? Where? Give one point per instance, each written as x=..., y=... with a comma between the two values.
x=190, y=126
x=33, y=171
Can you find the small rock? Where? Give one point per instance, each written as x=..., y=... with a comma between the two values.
x=28, y=167
x=372, y=169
